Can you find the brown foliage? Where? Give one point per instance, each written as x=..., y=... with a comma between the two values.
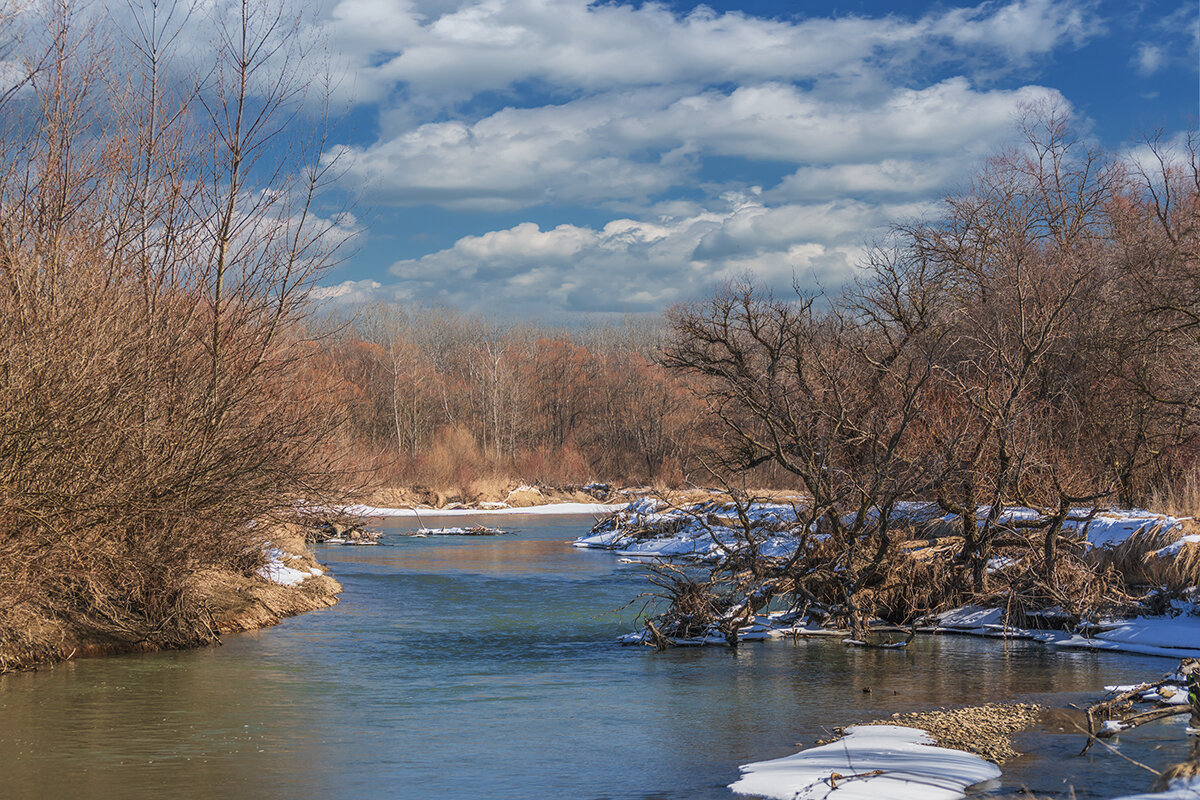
x=447, y=400
x=155, y=395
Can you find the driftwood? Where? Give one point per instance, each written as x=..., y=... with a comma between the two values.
x=474, y=530
x=1189, y=670
x=896, y=644
x=1148, y=716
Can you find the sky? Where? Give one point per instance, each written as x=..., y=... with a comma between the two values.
x=559, y=159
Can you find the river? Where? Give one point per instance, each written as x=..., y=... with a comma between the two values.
x=486, y=668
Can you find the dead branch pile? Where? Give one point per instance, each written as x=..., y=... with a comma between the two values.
x=1119, y=712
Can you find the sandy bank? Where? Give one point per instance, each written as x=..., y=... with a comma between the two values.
x=378, y=512
x=510, y=498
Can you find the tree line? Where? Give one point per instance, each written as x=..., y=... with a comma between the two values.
x=440, y=399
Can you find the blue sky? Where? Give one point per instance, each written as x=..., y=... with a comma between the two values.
x=550, y=158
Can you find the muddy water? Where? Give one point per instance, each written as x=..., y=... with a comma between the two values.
x=485, y=668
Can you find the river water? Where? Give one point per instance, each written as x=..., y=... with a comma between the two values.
x=486, y=668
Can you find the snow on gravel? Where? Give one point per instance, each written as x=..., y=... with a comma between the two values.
x=876, y=762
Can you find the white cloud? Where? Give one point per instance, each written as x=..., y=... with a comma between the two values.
x=1148, y=59
x=629, y=146
x=887, y=178
x=573, y=153
x=460, y=49
x=644, y=264
x=1170, y=153
x=350, y=292
x=655, y=116
x=1022, y=29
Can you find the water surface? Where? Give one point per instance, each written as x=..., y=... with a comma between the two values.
x=485, y=668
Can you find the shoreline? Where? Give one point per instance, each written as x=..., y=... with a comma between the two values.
x=651, y=532
x=415, y=512
x=291, y=582
x=940, y=754
x=298, y=583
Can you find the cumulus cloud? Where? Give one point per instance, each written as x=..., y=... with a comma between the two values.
x=464, y=48
x=348, y=292
x=630, y=146
x=1148, y=59
x=573, y=153
x=631, y=265
x=849, y=122
x=1023, y=30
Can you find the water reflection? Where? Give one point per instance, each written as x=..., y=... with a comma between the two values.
x=485, y=668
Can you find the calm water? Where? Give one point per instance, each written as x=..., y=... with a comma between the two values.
x=485, y=668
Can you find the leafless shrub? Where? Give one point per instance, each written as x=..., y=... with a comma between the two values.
x=156, y=403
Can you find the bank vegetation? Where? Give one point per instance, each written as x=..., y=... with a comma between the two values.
x=1019, y=363
x=159, y=235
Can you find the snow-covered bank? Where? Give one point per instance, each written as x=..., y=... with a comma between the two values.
x=870, y=763
x=760, y=627
x=712, y=531
x=475, y=530
x=1180, y=789
x=376, y=512
x=649, y=528
x=1170, y=637
x=1175, y=636
x=277, y=569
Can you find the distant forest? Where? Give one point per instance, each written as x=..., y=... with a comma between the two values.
x=441, y=399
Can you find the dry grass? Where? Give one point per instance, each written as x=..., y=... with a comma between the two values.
x=230, y=601
x=1138, y=564
x=1179, y=498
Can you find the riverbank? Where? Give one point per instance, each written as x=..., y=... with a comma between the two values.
x=510, y=497
x=948, y=753
x=365, y=698
x=290, y=582
x=1147, y=562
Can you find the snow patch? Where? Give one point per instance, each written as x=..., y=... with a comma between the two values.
x=278, y=572
x=1171, y=636
x=874, y=762
x=1180, y=789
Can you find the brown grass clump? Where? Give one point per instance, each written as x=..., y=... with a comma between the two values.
x=1137, y=562
x=1179, y=498
x=1177, y=772
x=525, y=496
x=914, y=584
